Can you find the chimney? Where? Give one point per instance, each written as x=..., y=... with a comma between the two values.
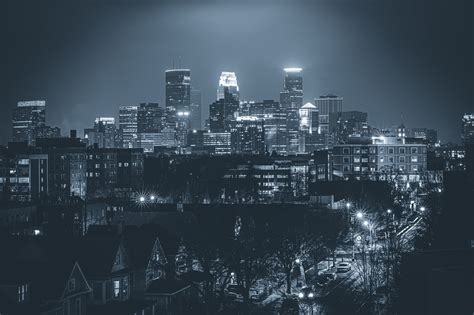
x=73, y=133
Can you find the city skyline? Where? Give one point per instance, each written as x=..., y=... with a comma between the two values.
x=98, y=81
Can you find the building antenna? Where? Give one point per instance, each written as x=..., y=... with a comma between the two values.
x=173, y=63
x=179, y=62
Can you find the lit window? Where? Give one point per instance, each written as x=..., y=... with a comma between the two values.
x=22, y=291
x=116, y=288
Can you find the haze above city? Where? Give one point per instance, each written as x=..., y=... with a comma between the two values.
x=400, y=61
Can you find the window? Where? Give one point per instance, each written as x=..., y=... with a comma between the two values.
x=345, y=151
x=356, y=159
x=78, y=306
x=345, y=159
x=72, y=284
x=372, y=150
x=356, y=169
x=22, y=291
x=414, y=150
x=116, y=284
x=391, y=150
x=391, y=159
x=381, y=159
x=414, y=168
x=401, y=150
x=414, y=158
x=401, y=159
x=356, y=150
x=365, y=160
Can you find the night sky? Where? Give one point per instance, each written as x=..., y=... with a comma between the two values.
x=400, y=60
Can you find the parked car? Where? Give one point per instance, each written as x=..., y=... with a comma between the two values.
x=343, y=267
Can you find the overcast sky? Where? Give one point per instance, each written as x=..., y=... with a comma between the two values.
x=400, y=60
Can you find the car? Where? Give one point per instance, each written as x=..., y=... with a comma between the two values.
x=306, y=293
x=343, y=267
x=326, y=278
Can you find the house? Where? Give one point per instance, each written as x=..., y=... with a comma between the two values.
x=36, y=279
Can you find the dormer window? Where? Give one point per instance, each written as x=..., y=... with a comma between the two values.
x=71, y=284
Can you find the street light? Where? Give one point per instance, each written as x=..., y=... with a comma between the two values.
x=142, y=199
x=348, y=205
x=366, y=223
x=422, y=209
x=297, y=260
x=389, y=211
x=152, y=197
x=359, y=215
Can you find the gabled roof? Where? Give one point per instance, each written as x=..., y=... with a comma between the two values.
x=139, y=244
x=96, y=255
x=166, y=287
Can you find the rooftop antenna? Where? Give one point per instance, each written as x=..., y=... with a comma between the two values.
x=179, y=61
x=173, y=63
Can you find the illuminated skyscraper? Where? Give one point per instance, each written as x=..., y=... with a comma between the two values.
x=309, y=128
x=228, y=82
x=195, y=108
x=248, y=135
x=327, y=104
x=27, y=119
x=178, y=100
x=178, y=93
x=291, y=100
x=128, y=126
x=468, y=128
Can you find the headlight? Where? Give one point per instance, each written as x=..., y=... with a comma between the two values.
x=311, y=295
x=301, y=295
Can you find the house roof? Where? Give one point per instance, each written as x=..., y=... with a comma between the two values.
x=194, y=276
x=96, y=255
x=120, y=308
x=166, y=287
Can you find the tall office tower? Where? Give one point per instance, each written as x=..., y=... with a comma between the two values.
x=228, y=83
x=291, y=99
x=178, y=99
x=195, y=109
x=467, y=128
x=27, y=118
x=248, y=135
x=128, y=126
x=274, y=120
x=222, y=113
x=327, y=104
x=149, y=118
x=309, y=128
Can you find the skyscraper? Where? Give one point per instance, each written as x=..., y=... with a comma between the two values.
x=222, y=112
x=128, y=126
x=309, y=128
x=195, y=108
x=291, y=100
x=178, y=99
x=274, y=120
x=467, y=128
x=149, y=118
x=228, y=82
x=28, y=117
x=248, y=135
x=327, y=104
